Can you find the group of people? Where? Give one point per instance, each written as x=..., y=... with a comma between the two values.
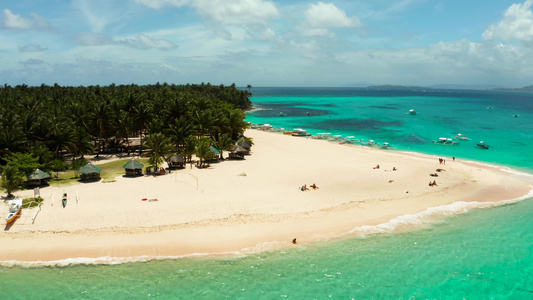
x=304, y=187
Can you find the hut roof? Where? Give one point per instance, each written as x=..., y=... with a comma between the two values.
x=89, y=168
x=38, y=175
x=176, y=159
x=239, y=149
x=243, y=143
x=133, y=164
x=214, y=150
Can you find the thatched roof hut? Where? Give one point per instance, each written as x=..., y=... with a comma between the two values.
x=176, y=161
x=38, y=177
x=238, y=152
x=133, y=168
x=243, y=143
x=90, y=172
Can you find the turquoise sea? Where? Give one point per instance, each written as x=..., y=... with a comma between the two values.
x=484, y=253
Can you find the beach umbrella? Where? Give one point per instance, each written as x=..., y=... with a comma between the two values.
x=133, y=164
x=38, y=175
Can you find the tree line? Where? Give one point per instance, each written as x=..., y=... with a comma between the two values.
x=48, y=124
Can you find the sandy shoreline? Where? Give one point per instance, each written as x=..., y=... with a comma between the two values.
x=250, y=204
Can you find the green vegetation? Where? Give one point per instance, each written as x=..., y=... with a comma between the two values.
x=31, y=202
x=51, y=127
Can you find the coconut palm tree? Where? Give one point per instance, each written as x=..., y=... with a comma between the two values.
x=189, y=147
x=224, y=143
x=202, y=150
x=160, y=148
x=12, y=179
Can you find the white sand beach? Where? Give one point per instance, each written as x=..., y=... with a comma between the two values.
x=245, y=205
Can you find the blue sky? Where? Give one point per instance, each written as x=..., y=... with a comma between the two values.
x=267, y=43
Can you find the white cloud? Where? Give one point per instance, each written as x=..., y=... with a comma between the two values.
x=158, y=4
x=517, y=24
x=320, y=18
x=231, y=19
x=15, y=21
x=32, y=48
x=140, y=41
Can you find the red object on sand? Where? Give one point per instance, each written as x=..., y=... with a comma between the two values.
x=144, y=199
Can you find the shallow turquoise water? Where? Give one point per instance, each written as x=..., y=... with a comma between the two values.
x=483, y=254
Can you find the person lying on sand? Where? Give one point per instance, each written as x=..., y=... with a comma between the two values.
x=314, y=186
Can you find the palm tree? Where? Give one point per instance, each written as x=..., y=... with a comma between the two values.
x=12, y=179
x=202, y=150
x=179, y=130
x=224, y=143
x=61, y=137
x=81, y=142
x=190, y=146
x=160, y=148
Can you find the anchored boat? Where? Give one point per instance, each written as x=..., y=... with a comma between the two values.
x=15, y=208
x=483, y=145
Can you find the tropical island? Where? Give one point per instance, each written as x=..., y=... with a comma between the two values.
x=286, y=192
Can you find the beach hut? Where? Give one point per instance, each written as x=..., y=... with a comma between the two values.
x=238, y=152
x=243, y=143
x=90, y=172
x=38, y=177
x=133, y=168
x=176, y=161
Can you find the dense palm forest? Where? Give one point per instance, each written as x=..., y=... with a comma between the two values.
x=47, y=125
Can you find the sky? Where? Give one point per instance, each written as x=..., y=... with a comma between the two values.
x=267, y=43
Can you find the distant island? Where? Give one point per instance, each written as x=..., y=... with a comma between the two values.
x=528, y=88
x=391, y=86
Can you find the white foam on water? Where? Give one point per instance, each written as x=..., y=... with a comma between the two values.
x=429, y=216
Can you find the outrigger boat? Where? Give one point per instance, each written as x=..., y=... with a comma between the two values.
x=15, y=207
x=411, y=112
x=483, y=145
x=385, y=145
x=64, y=199
x=299, y=132
x=461, y=137
x=446, y=141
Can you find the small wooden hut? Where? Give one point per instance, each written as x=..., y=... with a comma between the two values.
x=243, y=143
x=238, y=152
x=176, y=161
x=133, y=168
x=90, y=172
x=38, y=177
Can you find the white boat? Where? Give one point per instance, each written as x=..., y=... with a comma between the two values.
x=351, y=140
x=336, y=138
x=411, y=112
x=266, y=127
x=281, y=114
x=299, y=132
x=461, y=137
x=370, y=143
x=385, y=145
x=323, y=135
x=15, y=207
x=446, y=141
